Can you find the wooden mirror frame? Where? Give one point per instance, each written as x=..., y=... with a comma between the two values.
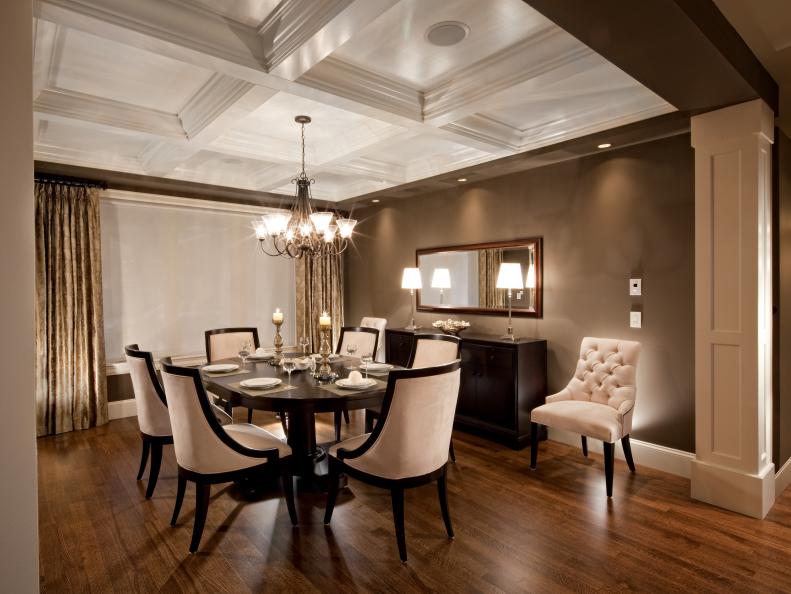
x=490, y=311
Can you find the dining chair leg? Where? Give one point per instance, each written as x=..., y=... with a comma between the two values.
x=144, y=458
x=451, y=452
x=442, y=488
x=333, y=477
x=250, y=415
x=369, y=421
x=156, y=461
x=534, y=429
x=397, y=495
x=337, y=426
x=202, y=495
x=288, y=490
x=346, y=416
x=182, y=487
x=283, y=423
x=609, y=465
x=627, y=452
x=584, y=446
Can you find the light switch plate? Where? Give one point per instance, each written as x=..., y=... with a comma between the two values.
x=635, y=287
x=635, y=319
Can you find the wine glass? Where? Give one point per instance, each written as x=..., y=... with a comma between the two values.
x=350, y=350
x=244, y=351
x=288, y=366
x=304, y=342
x=367, y=359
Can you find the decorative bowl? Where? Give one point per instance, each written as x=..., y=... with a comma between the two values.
x=452, y=327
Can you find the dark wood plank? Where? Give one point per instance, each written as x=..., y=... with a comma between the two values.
x=551, y=530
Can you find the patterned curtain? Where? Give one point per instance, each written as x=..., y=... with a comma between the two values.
x=319, y=289
x=71, y=390
x=489, y=261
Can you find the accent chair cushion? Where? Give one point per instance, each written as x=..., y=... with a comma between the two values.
x=256, y=438
x=598, y=421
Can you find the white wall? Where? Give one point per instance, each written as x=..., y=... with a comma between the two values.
x=18, y=492
x=172, y=272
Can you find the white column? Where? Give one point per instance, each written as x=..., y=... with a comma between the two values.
x=733, y=288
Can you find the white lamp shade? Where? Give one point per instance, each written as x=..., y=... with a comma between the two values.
x=411, y=279
x=440, y=279
x=321, y=221
x=276, y=222
x=530, y=281
x=346, y=227
x=510, y=276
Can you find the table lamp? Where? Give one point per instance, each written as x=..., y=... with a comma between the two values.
x=440, y=280
x=510, y=277
x=530, y=284
x=411, y=280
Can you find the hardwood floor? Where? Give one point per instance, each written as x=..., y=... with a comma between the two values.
x=552, y=530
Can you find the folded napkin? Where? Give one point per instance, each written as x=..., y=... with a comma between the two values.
x=303, y=363
x=260, y=352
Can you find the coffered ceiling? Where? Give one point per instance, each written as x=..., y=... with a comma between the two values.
x=207, y=90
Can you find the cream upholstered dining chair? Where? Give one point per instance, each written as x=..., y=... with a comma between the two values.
x=225, y=343
x=428, y=350
x=208, y=453
x=366, y=341
x=381, y=325
x=409, y=445
x=598, y=402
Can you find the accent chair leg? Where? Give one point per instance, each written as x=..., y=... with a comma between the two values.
x=627, y=452
x=609, y=465
x=534, y=429
x=397, y=495
x=584, y=446
x=153, y=474
x=144, y=458
x=346, y=416
x=332, y=490
x=182, y=487
x=250, y=415
x=451, y=452
x=202, y=495
x=337, y=426
x=442, y=488
x=288, y=490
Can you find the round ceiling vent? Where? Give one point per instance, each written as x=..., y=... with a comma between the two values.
x=447, y=33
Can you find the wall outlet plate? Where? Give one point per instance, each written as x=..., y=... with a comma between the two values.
x=635, y=319
x=635, y=286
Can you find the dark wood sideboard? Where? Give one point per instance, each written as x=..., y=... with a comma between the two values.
x=501, y=382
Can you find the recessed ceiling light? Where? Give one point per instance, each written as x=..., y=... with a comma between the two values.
x=447, y=33
x=375, y=200
x=604, y=145
x=462, y=179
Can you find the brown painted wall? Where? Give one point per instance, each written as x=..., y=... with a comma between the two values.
x=782, y=400
x=603, y=218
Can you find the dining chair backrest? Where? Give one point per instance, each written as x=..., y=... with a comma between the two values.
x=413, y=434
x=434, y=349
x=152, y=410
x=225, y=343
x=381, y=325
x=200, y=442
x=365, y=339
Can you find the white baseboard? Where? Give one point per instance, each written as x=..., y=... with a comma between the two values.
x=647, y=454
x=121, y=409
x=783, y=478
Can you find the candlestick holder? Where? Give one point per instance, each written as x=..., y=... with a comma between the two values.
x=325, y=372
x=277, y=359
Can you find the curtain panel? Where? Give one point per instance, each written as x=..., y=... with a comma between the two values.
x=489, y=295
x=71, y=390
x=319, y=289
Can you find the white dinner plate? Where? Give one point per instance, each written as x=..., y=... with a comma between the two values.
x=363, y=385
x=221, y=368
x=259, y=357
x=376, y=366
x=261, y=382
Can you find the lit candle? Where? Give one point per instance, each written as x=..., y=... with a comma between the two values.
x=324, y=321
x=277, y=317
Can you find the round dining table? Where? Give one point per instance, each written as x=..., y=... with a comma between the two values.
x=300, y=405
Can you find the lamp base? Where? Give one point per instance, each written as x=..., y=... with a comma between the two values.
x=509, y=335
x=413, y=327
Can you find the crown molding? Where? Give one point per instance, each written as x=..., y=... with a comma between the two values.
x=487, y=130
x=546, y=51
x=70, y=156
x=340, y=78
x=212, y=100
x=47, y=43
x=144, y=198
x=107, y=112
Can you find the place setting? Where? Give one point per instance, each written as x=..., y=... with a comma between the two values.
x=223, y=369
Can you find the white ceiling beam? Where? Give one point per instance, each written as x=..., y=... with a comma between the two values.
x=159, y=157
x=73, y=105
x=47, y=40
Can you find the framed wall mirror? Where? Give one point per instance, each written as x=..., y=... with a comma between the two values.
x=463, y=278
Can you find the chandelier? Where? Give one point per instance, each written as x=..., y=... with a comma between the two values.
x=303, y=232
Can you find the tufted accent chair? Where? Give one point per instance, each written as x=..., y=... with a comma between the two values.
x=598, y=402
x=380, y=324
